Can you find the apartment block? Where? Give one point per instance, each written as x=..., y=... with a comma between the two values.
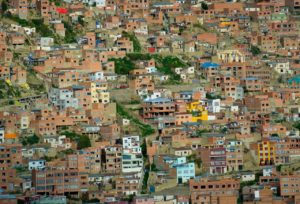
x=59, y=181
x=208, y=191
x=213, y=159
x=127, y=184
x=158, y=107
x=234, y=155
x=112, y=158
x=10, y=157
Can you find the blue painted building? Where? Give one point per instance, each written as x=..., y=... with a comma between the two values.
x=185, y=172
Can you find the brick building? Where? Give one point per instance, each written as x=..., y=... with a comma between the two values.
x=206, y=191
x=56, y=181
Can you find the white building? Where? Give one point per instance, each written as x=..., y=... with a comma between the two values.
x=131, y=144
x=267, y=171
x=190, y=70
x=132, y=162
x=248, y=176
x=29, y=31
x=214, y=105
x=132, y=158
x=58, y=141
x=94, y=76
x=63, y=98
x=46, y=43
x=281, y=67
x=36, y=164
x=155, y=94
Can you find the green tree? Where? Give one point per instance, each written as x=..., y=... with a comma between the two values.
x=200, y=132
x=145, y=129
x=70, y=35
x=34, y=139
x=297, y=125
x=11, y=102
x=204, y=6
x=123, y=65
x=136, y=44
x=82, y=141
x=4, y=6
x=153, y=167
x=145, y=179
x=255, y=50
x=212, y=96
x=80, y=20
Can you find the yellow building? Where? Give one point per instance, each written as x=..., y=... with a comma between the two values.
x=99, y=92
x=197, y=110
x=266, y=151
x=103, y=97
x=224, y=22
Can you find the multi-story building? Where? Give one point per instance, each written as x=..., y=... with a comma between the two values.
x=229, y=86
x=43, y=7
x=131, y=144
x=86, y=160
x=268, y=43
x=124, y=44
x=266, y=152
x=251, y=84
x=197, y=110
x=63, y=78
x=281, y=66
x=259, y=103
x=237, y=70
x=132, y=158
x=54, y=180
x=63, y=98
x=214, y=191
x=234, y=155
x=213, y=159
x=158, y=108
x=141, y=82
x=177, y=167
x=289, y=185
x=132, y=162
x=127, y=184
x=184, y=172
x=210, y=69
x=112, y=160
x=21, y=6
x=10, y=157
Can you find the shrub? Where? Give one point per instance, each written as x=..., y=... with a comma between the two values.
x=255, y=50
x=81, y=140
x=136, y=44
